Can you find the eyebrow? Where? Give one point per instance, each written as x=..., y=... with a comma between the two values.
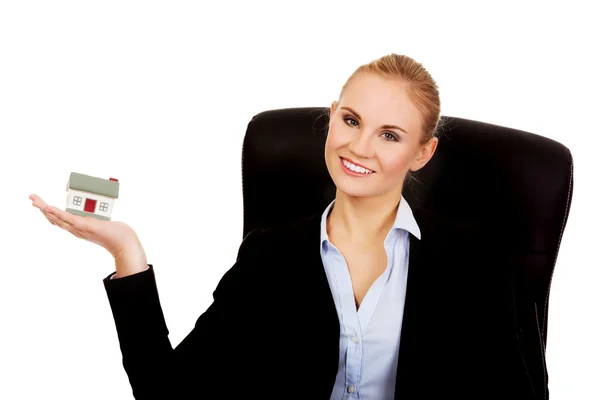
x=383, y=127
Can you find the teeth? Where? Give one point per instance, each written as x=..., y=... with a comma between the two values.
x=356, y=168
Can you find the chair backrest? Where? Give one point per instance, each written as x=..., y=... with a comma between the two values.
x=510, y=185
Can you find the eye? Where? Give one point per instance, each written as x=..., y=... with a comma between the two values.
x=350, y=119
x=391, y=136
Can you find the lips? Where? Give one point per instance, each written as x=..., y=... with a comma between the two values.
x=354, y=173
x=357, y=164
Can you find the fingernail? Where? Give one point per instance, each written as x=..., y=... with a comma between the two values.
x=49, y=210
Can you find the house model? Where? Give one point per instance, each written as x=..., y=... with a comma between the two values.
x=91, y=196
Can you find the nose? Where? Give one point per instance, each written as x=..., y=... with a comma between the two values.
x=362, y=146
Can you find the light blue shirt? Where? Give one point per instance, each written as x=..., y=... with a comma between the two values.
x=370, y=337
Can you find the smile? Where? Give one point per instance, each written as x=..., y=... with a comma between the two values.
x=355, y=170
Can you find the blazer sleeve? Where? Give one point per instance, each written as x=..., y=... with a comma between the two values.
x=203, y=360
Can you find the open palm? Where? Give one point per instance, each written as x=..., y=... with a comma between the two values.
x=114, y=236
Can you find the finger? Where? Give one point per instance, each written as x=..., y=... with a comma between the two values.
x=53, y=216
x=66, y=226
x=55, y=220
x=48, y=216
x=83, y=224
x=78, y=234
x=42, y=206
x=38, y=201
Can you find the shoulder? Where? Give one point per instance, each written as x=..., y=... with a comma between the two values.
x=436, y=224
x=286, y=237
x=261, y=253
x=431, y=222
x=437, y=230
x=455, y=239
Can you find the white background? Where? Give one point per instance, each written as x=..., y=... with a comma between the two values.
x=159, y=94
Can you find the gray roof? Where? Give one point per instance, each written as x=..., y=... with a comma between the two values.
x=87, y=183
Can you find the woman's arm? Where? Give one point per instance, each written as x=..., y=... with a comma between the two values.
x=205, y=358
x=203, y=363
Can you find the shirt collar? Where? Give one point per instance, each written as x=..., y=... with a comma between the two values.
x=404, y=220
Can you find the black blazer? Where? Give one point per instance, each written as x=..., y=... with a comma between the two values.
x=272, y=331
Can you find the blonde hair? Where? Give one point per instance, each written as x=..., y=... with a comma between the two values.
x=422, y=89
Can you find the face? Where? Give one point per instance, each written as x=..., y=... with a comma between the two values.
x=375, y=126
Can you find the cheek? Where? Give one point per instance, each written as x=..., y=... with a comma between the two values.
x=335, y=139
x=395, y=162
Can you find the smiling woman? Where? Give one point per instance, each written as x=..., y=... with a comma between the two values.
x=378, y=138
x=367, y=331
x=387, y=113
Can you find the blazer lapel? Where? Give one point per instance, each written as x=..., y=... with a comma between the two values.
x=318, y=300
x=426, y=306
x=407, y=357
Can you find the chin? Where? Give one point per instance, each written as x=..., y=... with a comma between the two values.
x=356, y=194
x=354, y=189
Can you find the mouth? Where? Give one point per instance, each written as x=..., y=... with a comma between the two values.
x=355, y=170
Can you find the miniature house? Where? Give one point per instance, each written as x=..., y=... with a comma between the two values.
x=91, y=196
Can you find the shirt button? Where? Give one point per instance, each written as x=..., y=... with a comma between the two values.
x=355, y=339
x=350, y=389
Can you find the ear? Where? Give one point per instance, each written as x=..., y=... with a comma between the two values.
x=424, y=154
x=334, y=105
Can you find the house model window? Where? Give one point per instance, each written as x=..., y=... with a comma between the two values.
x=91, y=196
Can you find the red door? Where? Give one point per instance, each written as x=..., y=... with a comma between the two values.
x=90, y=205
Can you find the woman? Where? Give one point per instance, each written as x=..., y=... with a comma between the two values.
x=346, y=322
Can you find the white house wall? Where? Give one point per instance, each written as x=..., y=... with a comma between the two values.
x=87, y=195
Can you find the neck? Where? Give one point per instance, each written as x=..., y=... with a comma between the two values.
x=362, y=220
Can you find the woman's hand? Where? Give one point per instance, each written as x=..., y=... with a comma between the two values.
x=118, y=238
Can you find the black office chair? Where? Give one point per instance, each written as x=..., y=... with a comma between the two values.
x=506, y=184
